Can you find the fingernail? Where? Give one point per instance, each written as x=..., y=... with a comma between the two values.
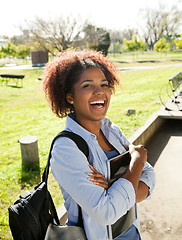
x=90, y=174
x=91, y=179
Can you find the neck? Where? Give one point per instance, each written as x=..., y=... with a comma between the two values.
x=91, y=126
x=94, y=127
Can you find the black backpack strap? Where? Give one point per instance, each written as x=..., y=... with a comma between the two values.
x=80, y=142
x=53, y=209
x=82, y=145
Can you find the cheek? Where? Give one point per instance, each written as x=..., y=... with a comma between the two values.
x=81, y=98
x=109, y=94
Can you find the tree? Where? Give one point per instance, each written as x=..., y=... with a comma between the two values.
x=9, y=50
x=103, y=41
x=161, y=45
x=134, y=45
x=120, y=35
x=116, y=47
x=160, y=23
x=60, y=34
x=96, y=38
x=1, y=53
x=54, y=35
x=19, y=39
x=22, y=51
x=178, y=43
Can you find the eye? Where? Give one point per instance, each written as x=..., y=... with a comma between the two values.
x=87, y=85
x=105, y=85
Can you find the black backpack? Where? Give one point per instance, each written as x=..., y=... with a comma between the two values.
x=30, y=216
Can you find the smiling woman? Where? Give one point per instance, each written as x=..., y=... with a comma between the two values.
x=64, y=72
x=90, y=97
x=79, y=84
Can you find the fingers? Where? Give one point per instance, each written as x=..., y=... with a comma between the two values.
x=97, y=178
x=133, y=148
x=102, y=184
x=138, y=152
x=93, y=169
x=138, y=148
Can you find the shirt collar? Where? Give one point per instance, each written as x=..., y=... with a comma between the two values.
x=73, y=126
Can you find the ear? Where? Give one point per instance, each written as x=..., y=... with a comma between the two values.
x=69, y=98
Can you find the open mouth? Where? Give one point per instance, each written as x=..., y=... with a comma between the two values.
x=98, y=104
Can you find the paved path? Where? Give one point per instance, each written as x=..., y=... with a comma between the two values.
x=149, y=67
x=121, y=69
x=161, y=216
x=21, y=67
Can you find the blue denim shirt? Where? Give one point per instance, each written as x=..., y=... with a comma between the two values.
x=70, y=167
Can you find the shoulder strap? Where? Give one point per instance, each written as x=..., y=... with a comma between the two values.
x=82, y=145
x=80, y=142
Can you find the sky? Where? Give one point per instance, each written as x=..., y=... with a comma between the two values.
x=110, y=14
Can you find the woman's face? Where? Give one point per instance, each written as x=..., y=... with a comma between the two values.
x=91, y=96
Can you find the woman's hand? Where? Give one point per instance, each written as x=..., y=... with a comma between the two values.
x=138, y=154
x=138, y=159
x=98, y=178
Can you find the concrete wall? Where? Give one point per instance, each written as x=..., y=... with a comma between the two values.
x=146, y=132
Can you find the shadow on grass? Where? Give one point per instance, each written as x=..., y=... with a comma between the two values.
x=14, y=86
x=11, y=86
x=30, y=177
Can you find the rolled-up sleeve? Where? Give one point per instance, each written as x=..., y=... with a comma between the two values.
x=148, y=177
x=70, y=168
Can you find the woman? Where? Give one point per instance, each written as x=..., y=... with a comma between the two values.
x=79, y=84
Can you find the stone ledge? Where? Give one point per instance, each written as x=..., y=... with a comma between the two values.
x=145, y=132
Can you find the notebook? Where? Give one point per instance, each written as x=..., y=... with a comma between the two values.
x=118, y=166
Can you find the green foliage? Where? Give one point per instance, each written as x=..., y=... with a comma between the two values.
x=1, y=53
x=11, y=50
x=115, y=47
x=102, y=42
x=161, y=45
x=22, y=51
x=134, y=45
x=178, y=43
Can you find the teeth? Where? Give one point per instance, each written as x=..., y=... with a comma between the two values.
x=98, y=102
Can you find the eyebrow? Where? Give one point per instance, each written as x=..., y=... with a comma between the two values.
x=104, y=80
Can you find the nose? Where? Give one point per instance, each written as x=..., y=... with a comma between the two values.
x=98, y=90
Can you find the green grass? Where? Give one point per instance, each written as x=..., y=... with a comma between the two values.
x=24, y=111
x=146, y=56
x=140, y=91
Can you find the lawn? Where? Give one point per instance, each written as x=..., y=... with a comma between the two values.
x=146, y=56
x=24, y=111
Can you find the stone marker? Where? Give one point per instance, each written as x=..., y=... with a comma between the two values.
x=130, y=112
x=29, y=151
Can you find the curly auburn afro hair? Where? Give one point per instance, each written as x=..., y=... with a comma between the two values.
x=60, y=76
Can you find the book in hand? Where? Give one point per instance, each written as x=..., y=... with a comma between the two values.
x=118, y=166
